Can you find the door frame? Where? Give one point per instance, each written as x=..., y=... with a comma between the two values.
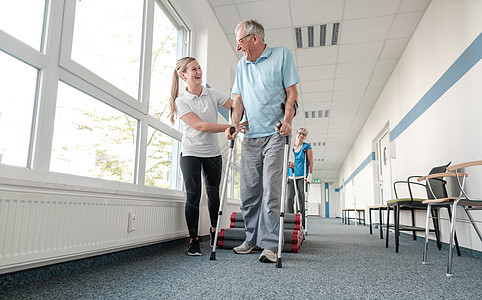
x=376, y=180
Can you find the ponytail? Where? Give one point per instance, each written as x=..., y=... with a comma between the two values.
x=181, y=67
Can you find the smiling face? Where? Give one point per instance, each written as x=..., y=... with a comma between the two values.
x=301, y=135
x=245, y=44
x=193, y=74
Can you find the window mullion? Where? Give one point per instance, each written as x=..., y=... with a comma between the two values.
x=47, y=85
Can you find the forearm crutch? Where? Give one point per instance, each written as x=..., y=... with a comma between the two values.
x=283, y=197
x=232, y=129
x=305, y=190
x=297, y=195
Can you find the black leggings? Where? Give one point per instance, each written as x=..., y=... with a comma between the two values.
x=191, y=171
x=290, y=191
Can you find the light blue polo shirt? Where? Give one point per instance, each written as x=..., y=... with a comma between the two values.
x=262, y=85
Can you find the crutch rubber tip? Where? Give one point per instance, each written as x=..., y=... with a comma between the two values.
x=213, y=256
x=278, y=263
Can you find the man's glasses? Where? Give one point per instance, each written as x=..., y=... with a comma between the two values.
x=302, y=133
x=241, y=39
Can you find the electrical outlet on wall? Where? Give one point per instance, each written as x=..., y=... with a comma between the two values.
x=131, y=222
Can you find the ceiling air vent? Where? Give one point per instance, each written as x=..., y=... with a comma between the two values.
x=317, y=114
x=317, y=35
x=315, y=144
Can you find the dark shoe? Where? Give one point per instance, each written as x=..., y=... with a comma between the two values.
x=211, y=237
x=194, y=248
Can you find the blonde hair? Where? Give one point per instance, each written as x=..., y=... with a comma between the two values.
x=301, y=130
x=181, y=67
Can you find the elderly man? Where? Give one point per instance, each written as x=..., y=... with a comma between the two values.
x=265, y=88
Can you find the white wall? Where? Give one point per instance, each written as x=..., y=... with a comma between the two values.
x=449, y=130
x=217, y=59
x=315, y=199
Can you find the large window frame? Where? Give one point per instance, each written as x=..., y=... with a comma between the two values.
x=55, y=65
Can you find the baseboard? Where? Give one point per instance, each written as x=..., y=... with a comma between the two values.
x=17, y=279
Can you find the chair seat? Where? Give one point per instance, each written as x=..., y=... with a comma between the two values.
x=465, y=202
x=405, y=201
x=442, y=200
x=378, y=206
x=475, y=202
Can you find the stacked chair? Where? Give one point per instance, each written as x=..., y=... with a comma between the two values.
x=465, y=200
x=229, y=238
x=411, y=204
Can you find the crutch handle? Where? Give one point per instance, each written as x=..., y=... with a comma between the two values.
x=232, y=130
x=278, y=125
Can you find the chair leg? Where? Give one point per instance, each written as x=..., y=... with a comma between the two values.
x=449, y=211
x=397, y=227
x=413, y=224
x=436, y=226
x=451, y=240
x=473, y=223
x=388, y=226
x=427, y=223
x=370, y=219
x=380, y=218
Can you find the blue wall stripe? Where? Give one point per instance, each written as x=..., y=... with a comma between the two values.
x=223, y=111
x=457, y=70
x=469, y=58
x=365, y=163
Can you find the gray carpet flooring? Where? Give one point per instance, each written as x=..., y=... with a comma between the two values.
x=336, y=261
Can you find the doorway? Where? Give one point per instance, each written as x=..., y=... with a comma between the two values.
x=383, y=173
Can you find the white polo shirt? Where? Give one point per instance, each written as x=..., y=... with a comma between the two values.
x=194, y=142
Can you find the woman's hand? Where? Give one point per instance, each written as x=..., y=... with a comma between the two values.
x=243, y=126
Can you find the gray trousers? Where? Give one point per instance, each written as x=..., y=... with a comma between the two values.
x=260, y=186
x=290, y=197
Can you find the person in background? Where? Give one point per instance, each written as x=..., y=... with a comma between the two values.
x=303, y=168
x=196, y=106
x=265, y=79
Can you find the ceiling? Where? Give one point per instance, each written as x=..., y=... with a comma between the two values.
x=341, y=77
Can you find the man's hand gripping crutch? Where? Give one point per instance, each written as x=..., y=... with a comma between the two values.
x=284, y=128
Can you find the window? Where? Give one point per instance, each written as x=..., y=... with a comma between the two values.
x=17, y=94
x=107, y=40
x=164, y=57
x=87, y=115
x=23, y=20
x=92, y=138
x=160, y=158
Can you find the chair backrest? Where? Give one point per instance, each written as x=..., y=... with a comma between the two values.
x=437, y=187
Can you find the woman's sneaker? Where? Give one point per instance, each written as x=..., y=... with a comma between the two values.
x=194, y=248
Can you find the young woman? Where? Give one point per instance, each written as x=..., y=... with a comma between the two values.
x=301, y=170
x=196, y=106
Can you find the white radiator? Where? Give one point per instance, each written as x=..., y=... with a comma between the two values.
x=41, y=226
